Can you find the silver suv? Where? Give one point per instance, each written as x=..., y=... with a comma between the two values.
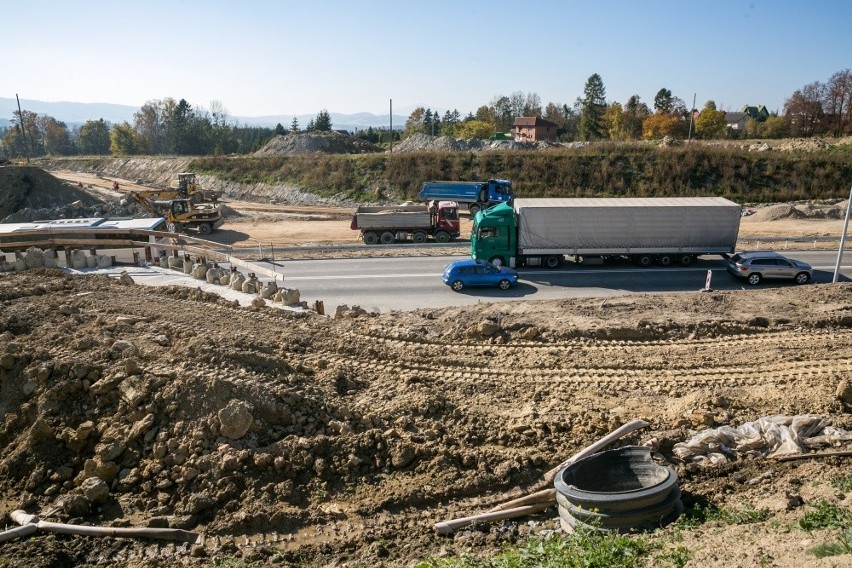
x=755, y=266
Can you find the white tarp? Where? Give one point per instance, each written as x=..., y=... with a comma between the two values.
x=770, y=436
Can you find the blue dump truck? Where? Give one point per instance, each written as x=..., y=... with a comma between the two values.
x=475, y=195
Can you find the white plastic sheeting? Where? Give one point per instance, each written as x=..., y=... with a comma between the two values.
x=770, y=436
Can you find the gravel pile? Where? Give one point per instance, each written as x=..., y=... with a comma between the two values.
x=426, y=143
x=313, y=142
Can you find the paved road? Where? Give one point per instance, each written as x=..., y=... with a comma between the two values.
x=387, y=284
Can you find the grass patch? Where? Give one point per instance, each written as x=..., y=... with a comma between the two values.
x=842, y=482
x=826, y=516
x=699, y=513
x=589, y=549
x=843, y=545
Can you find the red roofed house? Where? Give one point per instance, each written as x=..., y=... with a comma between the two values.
x=532, y=128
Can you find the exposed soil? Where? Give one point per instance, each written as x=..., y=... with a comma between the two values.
x=294, y=439
x=320, y=441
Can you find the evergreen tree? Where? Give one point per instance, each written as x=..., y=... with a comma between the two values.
x=323, y=121
x=279, y=130
x=663, y=101
x=294, y=126
x=593, y=107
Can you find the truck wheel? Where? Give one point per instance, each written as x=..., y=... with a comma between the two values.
x=387, y=238
x=370, y=238
x=474, y=209
x=205, y=228
x=420, y=237
x=687, y=259
x=643, y=259
x=457, y=285
x=552, y=261
x=665, y=260
x=442, y=237
x=497, y=260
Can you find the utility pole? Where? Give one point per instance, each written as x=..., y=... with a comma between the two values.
x=842, y=238
x=391, y=126
x=691, y=117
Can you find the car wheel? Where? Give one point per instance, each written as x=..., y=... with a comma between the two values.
x=754, y=279
x=442, y=237
x=387, y=238
x=457, y=285
x=420, y=237
x=497, y=260
x=504, y=284
x=665, y=260
x=552, y=261
x=687, y=259
x=802, y=278
x=370, y=238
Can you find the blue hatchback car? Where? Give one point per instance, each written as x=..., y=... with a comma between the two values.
x=469, y=272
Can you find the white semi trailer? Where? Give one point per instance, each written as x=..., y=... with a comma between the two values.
x=542, y=232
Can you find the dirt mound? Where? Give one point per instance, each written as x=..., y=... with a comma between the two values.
x=298, y=439
x=314, y=142
x=427, y=143
x=810, y=210
x=28, y=188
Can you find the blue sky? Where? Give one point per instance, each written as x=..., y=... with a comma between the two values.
x=292, y=57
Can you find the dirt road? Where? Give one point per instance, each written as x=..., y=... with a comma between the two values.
x=283, y=224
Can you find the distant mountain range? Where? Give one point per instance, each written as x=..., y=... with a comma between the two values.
x=75, y=114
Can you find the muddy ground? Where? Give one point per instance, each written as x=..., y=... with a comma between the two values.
x=297, y=439
x=293, y=439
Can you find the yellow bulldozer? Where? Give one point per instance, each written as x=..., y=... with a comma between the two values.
x=182, y=214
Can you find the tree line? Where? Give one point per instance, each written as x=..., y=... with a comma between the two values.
x=160, y=127
x=817, y=109
x=174, y=127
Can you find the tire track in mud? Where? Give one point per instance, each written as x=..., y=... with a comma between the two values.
x=579, y=363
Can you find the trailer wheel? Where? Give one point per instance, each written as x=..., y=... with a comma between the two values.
x=387, y=238
x=643, y=259
x=497, y=260
x=370, y=238
x=687, y=259
x=420, y=237
x=552, y=261
x=665, y=260
x=205, y=228
x=474, y=209
x=442, y=237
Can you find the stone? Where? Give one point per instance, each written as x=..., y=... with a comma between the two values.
x=34, y=257
x=844, y=391
x=487, y=328
x=75, y=505
x=235, y=420
x=95, y=490
x=126, y=279
x=258, y=302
